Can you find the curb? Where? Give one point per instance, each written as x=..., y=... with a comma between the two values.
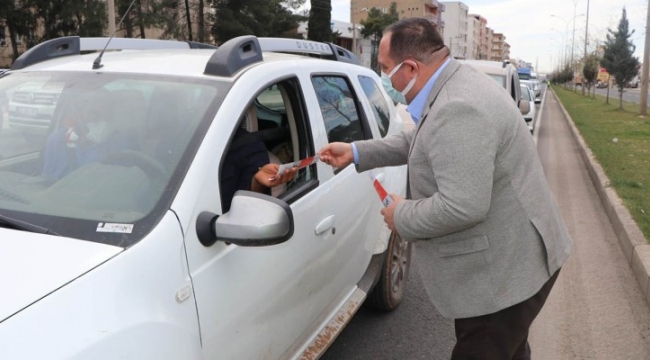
x=634, y=245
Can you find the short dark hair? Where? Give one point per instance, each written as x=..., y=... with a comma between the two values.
x=414, y=37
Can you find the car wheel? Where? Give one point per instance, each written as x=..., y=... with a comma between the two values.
x=389, y=290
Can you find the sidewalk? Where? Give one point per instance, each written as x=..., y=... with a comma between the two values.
x=633, y=243
x=596, y=309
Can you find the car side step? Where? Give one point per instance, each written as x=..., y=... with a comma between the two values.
x=332, y=330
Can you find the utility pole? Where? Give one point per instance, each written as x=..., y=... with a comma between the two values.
x=111, y=17
x=354, y=28
x=451, y=46
x=573, y=39
x=643, y=106
x=584, y=61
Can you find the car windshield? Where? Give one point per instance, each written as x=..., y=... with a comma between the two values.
x=98, y=156
x=501, y=79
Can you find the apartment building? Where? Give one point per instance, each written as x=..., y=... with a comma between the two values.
x=500, y=48
x=455, y=18
x=429, y=9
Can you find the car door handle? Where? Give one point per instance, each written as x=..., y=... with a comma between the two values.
x=324, y=225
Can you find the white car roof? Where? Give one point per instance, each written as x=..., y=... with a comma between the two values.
x=490, y=67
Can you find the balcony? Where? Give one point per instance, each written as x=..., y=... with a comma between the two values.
x=432, y=18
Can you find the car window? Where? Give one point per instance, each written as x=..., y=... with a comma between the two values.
x=339, y=109
x=109, y=149
x=501, y=79
x=272, y=129
x=377, y=102
x=525, y=94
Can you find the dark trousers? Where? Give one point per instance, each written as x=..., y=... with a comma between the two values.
x=502, y=335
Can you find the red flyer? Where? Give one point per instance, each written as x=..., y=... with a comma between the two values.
x=297, y=164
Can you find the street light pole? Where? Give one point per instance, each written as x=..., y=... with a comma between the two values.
x=354, y=28
x=643, y=106
x=566, y=32
x=584, y=62
x=354, y=39
x=451, y=46
x=111, y=17
x=573, y=39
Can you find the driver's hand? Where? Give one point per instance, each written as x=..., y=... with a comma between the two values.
x=267, y=177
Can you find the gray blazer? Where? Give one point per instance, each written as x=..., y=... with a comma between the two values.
x=478, y=196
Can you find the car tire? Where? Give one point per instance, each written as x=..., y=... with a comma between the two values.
x=389, y=290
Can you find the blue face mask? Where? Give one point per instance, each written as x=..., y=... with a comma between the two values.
x=397, y=96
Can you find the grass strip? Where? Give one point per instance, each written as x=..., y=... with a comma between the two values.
x=620, y=140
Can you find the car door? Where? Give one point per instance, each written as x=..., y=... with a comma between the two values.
x=266, y=302
x=334, y=102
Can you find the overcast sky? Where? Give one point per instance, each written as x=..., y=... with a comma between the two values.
x=537, y=37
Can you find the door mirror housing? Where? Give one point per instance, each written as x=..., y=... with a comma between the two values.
x=254, y=219
x=524, y=106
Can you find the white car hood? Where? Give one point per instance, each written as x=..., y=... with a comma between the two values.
x=34, y=265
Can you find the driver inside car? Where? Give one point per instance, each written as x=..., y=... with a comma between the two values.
x=87, y=135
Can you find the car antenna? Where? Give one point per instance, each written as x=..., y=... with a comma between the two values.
x=98, y=62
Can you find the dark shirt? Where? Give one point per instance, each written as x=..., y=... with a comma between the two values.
x=243, y=160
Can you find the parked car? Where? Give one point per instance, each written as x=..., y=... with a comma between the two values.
x=535, y=87
x=528, y=95
x=506, y=75
x=31, y=107
x=131, y=254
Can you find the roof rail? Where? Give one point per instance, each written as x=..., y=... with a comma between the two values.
x=242, y=51
x=73, y=45
x=234, y=55
x=227, y=60
x=299, y=46
x=48, y=50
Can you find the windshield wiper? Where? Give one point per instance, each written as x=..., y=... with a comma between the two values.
x=12, y=223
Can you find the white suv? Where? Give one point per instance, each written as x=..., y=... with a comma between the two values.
x=114, y=242
x=506, y=75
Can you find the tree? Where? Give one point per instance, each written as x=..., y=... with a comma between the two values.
x=618, y=58
x=590, y=71
x=17, y=17
x=374, y=25
x=268, y=18
x=147, y=14
x=320, y=17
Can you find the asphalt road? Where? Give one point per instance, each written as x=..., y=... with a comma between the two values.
x=631, y=95
x=595, y=310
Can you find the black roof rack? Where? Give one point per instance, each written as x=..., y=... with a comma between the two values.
x=242, y=51
x=74, y=45
x=234, y=55
x=48, y=50
x=227, y=60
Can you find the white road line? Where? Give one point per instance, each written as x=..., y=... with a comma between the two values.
x=538, y=121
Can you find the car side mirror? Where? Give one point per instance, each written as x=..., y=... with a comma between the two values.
x=524, y=106
x=253, y=220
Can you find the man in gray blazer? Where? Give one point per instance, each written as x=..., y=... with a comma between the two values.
x=477, y=198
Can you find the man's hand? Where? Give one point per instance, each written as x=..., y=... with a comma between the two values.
x=337, y=154
x=389, y=212
x=267, y=177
